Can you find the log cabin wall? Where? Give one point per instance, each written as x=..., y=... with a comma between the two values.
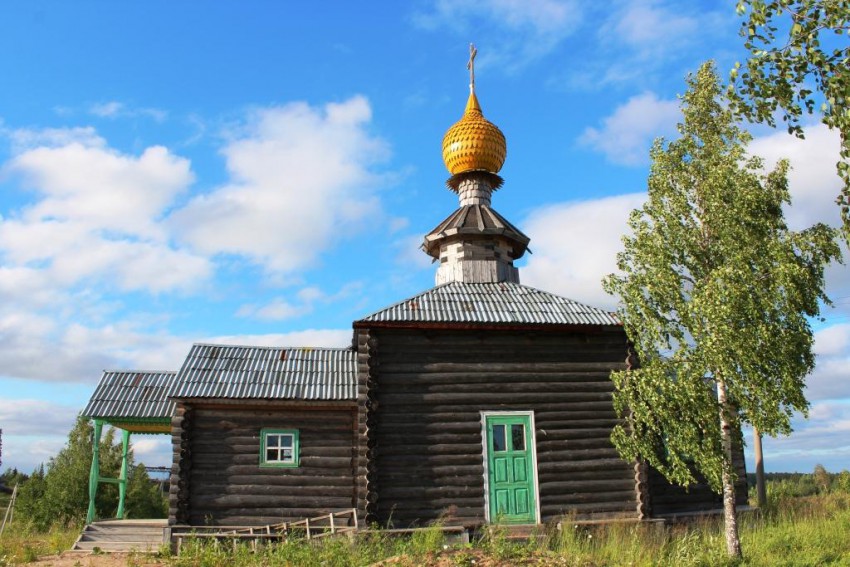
x=225, y=484
x=429, y=388
x=668, y=498
x=178, y=491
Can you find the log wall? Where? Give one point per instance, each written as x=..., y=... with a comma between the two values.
x=223, y=483
x=673, y=499
x=428, y=389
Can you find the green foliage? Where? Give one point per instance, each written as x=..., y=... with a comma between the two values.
x=842, y=482
x=795, y=45
x=11, y=477
x=715, y=294
x=60, y=495
x=144, y=499
x=427, y=541
x=822, y=478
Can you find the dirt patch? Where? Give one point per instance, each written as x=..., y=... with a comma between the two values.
x=69, y=559
x=471, y=558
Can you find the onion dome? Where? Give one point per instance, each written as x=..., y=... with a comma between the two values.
x=474, y=143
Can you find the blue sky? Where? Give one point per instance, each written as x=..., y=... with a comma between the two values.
x=263, y=173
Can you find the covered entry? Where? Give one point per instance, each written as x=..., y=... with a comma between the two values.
x=134, y=402
x=510, y=468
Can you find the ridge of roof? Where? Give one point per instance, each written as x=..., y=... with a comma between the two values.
x=268, y=347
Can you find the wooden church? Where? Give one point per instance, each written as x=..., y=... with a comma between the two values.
x=480, y=400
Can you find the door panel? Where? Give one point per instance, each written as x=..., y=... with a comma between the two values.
x=513, y=496
x=500, y=472
x=520, y=469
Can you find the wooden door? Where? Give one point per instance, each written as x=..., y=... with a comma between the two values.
x=510, y=474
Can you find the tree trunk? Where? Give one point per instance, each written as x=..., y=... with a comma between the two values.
x=730, y=514
x=761, y=492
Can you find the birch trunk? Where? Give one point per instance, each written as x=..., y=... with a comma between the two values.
x=761, y=491
x=730, y=513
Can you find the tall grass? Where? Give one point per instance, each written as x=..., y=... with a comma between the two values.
x=366, y=549
x=792, y=531
x=801, y=531
x=21, y=544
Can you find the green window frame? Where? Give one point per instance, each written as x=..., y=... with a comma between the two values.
x=279, y=448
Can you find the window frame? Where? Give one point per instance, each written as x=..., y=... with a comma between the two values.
x=296, y=448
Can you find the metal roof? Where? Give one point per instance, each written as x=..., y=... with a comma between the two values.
x=491, y=303
x=252, y=372
x=133, y=394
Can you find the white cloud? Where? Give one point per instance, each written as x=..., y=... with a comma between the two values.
x=575, y=246
x=301, y=179
x=521, y=31
x=24, y=139
x=107, y=109
x=409, y=254
x=834, y=340
x=813, y=180
x=823, y=438
x=55, y=349
x=97, y=215
x=102, y=188
x=650, y=29
x=830, y=377
x=643, y=42
x=626, y=135
x=114, y=109
x=152, y=450
x=281, y=308
x=28, y=417
x=330, y=338
x=276, y=310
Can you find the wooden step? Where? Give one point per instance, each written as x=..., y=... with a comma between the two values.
x=121, y=535
x=116, y=546
x=129, y=536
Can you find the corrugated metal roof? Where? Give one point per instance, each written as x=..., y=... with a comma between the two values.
x=251, y=372
x=133, y=394
x=491, y=303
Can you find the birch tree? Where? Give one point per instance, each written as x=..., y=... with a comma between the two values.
x=716, y=295
x=799, y=64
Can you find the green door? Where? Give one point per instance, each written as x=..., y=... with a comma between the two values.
x=510, y=473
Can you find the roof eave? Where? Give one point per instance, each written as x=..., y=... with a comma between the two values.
x=465, y=325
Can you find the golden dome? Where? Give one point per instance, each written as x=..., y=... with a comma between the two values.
x=473, y=142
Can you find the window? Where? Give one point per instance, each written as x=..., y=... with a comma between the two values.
x=279, y=448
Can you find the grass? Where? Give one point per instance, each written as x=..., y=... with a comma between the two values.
x=20, y=544
x=795, y=531
x=798, y=531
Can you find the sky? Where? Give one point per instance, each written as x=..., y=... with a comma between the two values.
x=263, y=173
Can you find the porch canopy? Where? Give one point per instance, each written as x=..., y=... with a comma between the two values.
x=135, y=401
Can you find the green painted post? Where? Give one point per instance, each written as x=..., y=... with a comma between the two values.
x=122, y=480
x=94, y=475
